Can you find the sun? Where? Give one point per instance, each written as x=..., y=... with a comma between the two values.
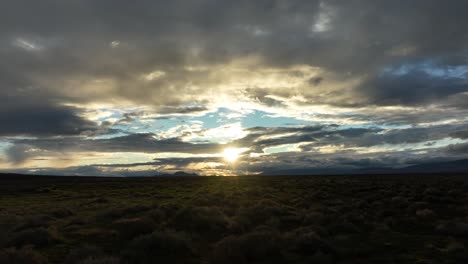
x=231, y=154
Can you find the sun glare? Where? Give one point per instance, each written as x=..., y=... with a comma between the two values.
x=231, y=154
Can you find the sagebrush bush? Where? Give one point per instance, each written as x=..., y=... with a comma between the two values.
x=342, y=226
x=453, y=228
x=98, y=234
x=132, y=227
x=82, y=253
x=88, y=254
x=39, y=237
x=201, y=220
x=160, y=247
x=34, y=221
x=61, y=213
x=257, y=246
x=25, y=255
x=157, y=214
x=307, y=241
x=262, y=212
x=101, y=260
x=119, y=212
x=170, y=209
x=313, y=217
x=321, y=258
x=99, y=200
x=425, y=214
x=400, y=201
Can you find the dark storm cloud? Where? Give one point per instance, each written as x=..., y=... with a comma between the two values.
x=461, y=148
x=315, y=80
x=44, y=43
x=261, y=96
x=145, y=142
x=412, y=88
x=334, y=135
x=178, y=162
x=320, y=137
x=260, y=138
x=254, y=139
x=183, y=110
x=395, y=136
x=30, y=118
x=74, y=171
x=463, y=134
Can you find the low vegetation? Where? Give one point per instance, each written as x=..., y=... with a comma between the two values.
x=333, y=219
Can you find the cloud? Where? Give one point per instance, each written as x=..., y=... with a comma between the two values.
x=311, y=137
x=357, y=74
x=412, y=88
x=143, y=142
x=357, y=43
x=315, y=80
x=177, y=162
x=18, y=153
x=463, y=134
x=30, y=118
x=461, y=148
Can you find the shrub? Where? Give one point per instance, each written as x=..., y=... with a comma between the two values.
x=201, y=219
x=62, y=213
x=169, y=209
x=342, y=227
x=431, y=192
x=34, y=222
x=314, y=217
x=99, y=200
x=399, y=201
x=162, y=247
x=39, y=237
x=307, y=242
x=83, y=253
x=321, y=258
x=157, y=214
x=132, y=227
x=453, y=229
x=78, y=220
x=116, y=213
x=97, y=234
x=89, y=255
x=425, y=214
x=264, y=246
x=260, y=213
x=101, y=260
x=413, y=207
x=24, y=255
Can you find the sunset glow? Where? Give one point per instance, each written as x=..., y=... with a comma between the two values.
x=231, y=154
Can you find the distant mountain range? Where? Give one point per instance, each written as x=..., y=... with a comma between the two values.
x=179, y=174
x=457, y=166
x=434, y=167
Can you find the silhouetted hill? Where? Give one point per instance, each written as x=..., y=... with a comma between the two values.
x=457, y=166
x=179, y=174
x=438, y=167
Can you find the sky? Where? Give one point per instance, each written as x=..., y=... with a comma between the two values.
x=146, y=87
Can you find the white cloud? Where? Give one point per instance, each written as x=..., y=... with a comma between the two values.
x=27, y=45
